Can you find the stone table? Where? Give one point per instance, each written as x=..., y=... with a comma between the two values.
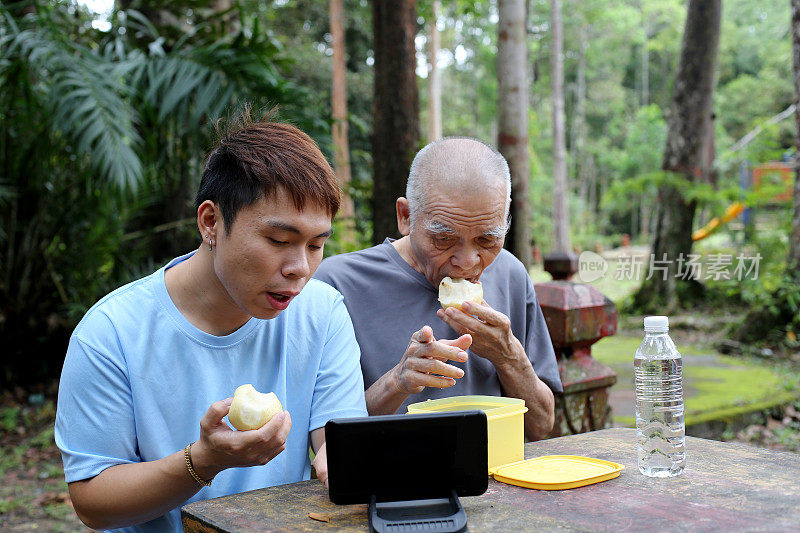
x=725, y=487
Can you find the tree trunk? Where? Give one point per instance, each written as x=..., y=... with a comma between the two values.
x=645, y=208
x=560, y=207
x=395, y=127
x=434, y=78
x=341, y=150
x=579, y=128
x=690, y=113
x=645, y=60
x=793, y=261
x=512, y=111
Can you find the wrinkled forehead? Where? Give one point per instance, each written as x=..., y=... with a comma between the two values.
x=458, y=210
x=478, y=195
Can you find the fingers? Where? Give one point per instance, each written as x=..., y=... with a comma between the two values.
x=414, y=380
x=435, y=366
x=275, y=432
x=485, y=313
x=467, y=323
x=228, y=448
x=260, y=446
x=216, y=412
x=431, y=380
x=423, y=336
x=463, y=342
x=444, y=352
x=321, y=465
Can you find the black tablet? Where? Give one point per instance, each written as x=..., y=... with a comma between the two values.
x=407, y=457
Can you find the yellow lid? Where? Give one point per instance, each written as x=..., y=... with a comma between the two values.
x=556, y=472
x=493, y=406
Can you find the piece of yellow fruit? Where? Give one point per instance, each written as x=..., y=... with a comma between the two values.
x=251, y=409
x=454, y=292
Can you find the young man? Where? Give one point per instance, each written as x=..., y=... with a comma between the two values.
x=453, y=223
x=150, y=369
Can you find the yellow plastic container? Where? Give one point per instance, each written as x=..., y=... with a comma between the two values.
x=504, y=422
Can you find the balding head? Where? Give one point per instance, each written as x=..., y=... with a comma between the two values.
x=455, y=163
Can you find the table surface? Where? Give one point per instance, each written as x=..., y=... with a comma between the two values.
x=725, y=487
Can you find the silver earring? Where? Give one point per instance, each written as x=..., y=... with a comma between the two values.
x=211, y=246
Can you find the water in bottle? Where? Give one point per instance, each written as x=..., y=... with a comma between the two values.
x=659, y=402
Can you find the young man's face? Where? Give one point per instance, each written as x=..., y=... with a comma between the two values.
x=459, y=233
x=270, y=252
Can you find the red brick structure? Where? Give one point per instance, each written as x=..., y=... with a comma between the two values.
x=577, y=316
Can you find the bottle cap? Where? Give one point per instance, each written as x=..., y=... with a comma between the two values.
x=656, y=322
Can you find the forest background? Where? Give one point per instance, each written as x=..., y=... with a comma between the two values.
x=105, y=119
x=107, y=108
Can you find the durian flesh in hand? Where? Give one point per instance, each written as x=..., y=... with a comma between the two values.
x=454, y=292
x=251, y=409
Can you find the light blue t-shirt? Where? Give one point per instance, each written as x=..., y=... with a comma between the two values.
x=138, y=377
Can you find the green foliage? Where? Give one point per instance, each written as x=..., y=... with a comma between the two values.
x=102, y=134
x=8, y=418
x=78, y=95
x=44, y=439
x=11, y=457
x=6, y=506
x=302, y=29
x=467, y=61
x=716, y=386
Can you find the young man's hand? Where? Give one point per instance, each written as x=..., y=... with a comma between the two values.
x=320, y=464
x=219, y=447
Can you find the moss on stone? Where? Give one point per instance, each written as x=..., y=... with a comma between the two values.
x=716, y=387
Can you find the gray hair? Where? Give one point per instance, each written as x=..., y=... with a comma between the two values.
x=459, y=161
x=436, y=227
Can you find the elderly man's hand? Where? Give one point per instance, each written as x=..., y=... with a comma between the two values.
x=492, y=337
x=423, y=363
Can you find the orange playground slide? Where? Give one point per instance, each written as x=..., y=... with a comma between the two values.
x=733, y=211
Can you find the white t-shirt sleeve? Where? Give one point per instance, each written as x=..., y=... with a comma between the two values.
x=95, y=426
x=339, y=387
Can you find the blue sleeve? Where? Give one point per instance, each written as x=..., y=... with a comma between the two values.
x=538, y=345
x=339, y=387
x=95, y=426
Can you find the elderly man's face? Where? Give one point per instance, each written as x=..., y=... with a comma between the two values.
x=458, y=233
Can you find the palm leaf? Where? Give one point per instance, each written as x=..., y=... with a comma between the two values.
x=86, y=100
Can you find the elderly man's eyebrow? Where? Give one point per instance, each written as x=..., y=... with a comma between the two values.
x=434, y=226
x=497, y=233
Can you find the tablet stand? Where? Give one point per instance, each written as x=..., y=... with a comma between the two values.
x=440, y=515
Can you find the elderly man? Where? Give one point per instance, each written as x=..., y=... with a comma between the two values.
x=453, y=221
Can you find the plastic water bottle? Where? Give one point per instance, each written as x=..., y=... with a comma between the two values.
x=659, y=402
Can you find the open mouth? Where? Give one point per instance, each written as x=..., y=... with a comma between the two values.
x=280, y=301
x=279, y=297
x=471, y=279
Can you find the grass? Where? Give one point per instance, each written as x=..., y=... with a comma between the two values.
x=33, y=495
x=716, y=386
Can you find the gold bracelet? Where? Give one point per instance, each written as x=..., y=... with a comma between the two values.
x=187, y=455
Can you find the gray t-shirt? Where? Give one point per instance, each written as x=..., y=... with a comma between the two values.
x=388, y=301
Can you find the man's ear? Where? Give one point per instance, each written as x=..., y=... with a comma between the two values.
x=403, y=216
x=209, y=221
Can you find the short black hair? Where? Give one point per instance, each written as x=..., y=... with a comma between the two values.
x=255, y=157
